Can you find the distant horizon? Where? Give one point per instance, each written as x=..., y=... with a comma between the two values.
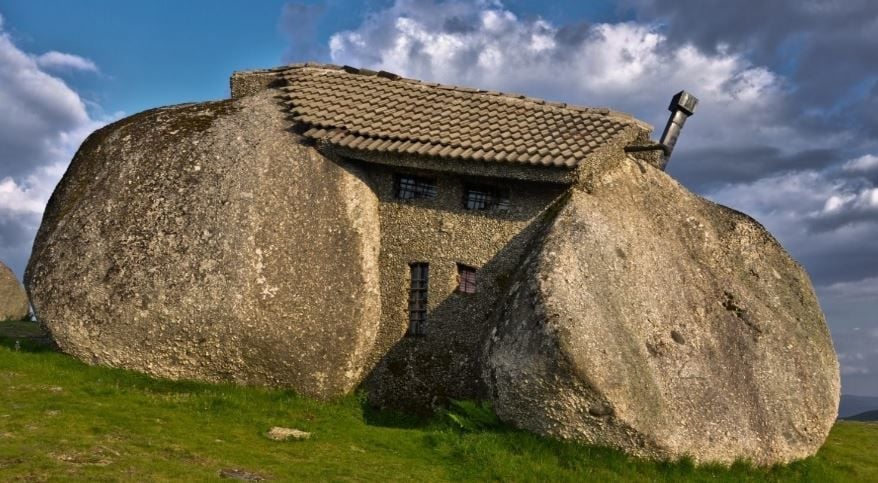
x=785, y=132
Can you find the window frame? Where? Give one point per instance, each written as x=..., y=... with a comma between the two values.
x=418, y=306
x=420, y=187
x=464, y=283
x=495, y=198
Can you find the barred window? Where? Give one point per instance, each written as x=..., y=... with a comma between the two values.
x=485, y=198
x=420, y=273
x=412, y=187
x=466, y=279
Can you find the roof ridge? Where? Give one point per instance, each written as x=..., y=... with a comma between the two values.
x=469, y=90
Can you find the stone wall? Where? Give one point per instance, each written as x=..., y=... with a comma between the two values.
x=248, y=82
x=412, y=372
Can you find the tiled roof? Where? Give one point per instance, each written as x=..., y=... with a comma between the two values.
x=381, y=112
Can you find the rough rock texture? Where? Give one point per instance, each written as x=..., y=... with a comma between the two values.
x=13, y=299
x=205, y=241
x=278, y=433
x=666, y=325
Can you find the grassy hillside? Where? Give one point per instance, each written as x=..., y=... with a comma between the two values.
x=852, y=405
x=63, y=420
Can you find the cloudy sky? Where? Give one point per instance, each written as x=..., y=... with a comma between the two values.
x=786, y=131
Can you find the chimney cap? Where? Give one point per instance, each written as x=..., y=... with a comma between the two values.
x=683, y=101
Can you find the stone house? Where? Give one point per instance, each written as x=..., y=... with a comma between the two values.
x=330, y=228
x=463, y=177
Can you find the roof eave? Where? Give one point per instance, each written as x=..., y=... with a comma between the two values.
x=525, y=172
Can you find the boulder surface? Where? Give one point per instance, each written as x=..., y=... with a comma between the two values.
x=205, y=241
x=13, y=299
x=663, y=324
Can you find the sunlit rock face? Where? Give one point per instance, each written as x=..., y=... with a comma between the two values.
x=206, y=241
x=655, y=321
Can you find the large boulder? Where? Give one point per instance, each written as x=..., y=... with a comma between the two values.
x=205, y=241
x=13, y=299
x=660, y=323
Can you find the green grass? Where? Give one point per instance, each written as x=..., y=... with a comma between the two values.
x=63, y=420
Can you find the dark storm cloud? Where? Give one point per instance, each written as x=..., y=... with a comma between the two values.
x=766, y=29
x=825, y=47
x=858, y=206
x=834, y=258
x=704, y=168
x=867, y=112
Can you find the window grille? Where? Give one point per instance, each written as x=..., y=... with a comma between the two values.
x=411, y=187
x=485, y=198
x=466, y=279
x=420, y=273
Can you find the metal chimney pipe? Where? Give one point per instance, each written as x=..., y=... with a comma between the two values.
x=682, y=106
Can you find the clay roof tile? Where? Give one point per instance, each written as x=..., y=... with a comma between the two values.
x=383, y=112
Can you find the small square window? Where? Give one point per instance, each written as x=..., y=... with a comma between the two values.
x=413, y=187
x=466, y=279
x=485, y=198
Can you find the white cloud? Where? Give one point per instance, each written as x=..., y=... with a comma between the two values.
x=30, y=195
x=42, y=123
x=746, y=110
x=751, y=153
x=865, y=289
x=39, y=113
x=864, y=164
x=60, y=61
x=629, y=66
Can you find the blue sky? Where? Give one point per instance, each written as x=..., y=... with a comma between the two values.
x=151, y=53
x=787, y=130
x=164, y=52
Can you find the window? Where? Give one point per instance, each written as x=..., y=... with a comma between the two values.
x=485, y=198
x=420, y=273
x=466, y=279
x=412, y=187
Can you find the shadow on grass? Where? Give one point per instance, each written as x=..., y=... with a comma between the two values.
x=26, y=336
x=459, y=416
x=393, y=419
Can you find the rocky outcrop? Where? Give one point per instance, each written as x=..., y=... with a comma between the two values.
x=206, y=241
x=660, y=323
x=13, y=299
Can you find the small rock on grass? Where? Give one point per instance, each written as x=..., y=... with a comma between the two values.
x=237, y=474
x=278, y=433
